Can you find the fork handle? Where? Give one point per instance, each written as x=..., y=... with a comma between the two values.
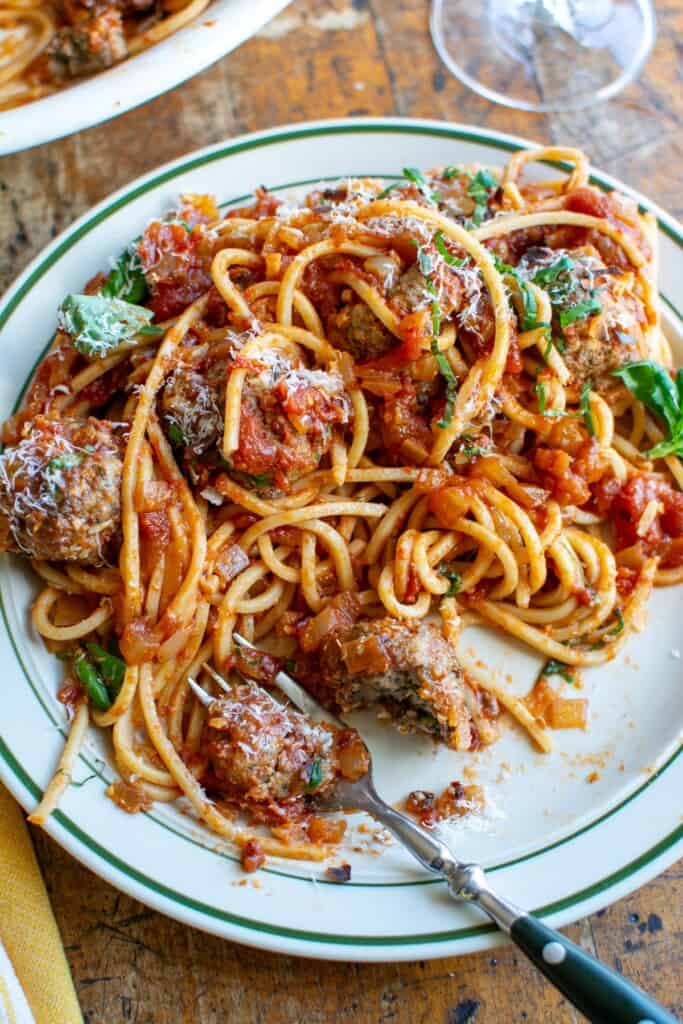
x=604, y=996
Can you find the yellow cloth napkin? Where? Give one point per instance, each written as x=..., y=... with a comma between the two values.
x=28, y=932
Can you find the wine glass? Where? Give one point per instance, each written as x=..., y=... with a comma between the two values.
x=543, y=55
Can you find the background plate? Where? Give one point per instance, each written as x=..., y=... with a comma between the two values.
x=223, y=26
x=553, y=841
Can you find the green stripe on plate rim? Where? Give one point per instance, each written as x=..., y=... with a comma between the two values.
x=326, y=937
x=39, y=271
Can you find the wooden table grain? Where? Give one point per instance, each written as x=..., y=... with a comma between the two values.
x=330, y=59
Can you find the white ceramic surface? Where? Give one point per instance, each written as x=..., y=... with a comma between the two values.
x=554, y=842
x=224, y=25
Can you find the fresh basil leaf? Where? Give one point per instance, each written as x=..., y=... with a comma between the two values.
x=480, y=189
x=127, y=279
x=585, y=407
x=449, y=173
x=445, y=368
x=151, y=332
x=651, y=384
x=580, y=311
x=98, y=325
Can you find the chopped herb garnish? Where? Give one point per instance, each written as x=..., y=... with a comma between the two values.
x=92, y=683
x=473, y=451
x=452, y=261
x=528, y=320
x=454, y=578
x=652, y=385
x=290, y=665
x=152, y=331
x=415, y=177
x=449, y=173
x=558, y=668
x=445, y=368
x=127, y=279
x=424, y=261
x=255, y=480
x=585, y=407
x=539, y=389
x=316, y=776
x=619, y=628
x=420, y=182
x=548, y=275
x=98, y=325
x=580, y=311
x=111, y=667
x=175, y=434
x=66, y=461
x=480, y=189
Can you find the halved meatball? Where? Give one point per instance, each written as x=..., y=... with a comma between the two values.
x=407, y=668
x=94, y=40
x=261, y=752
x=60, y=491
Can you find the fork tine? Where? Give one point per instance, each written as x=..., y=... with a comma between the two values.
x=202, y=696
x=224, y=685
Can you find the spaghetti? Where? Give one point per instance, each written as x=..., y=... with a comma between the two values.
x=347, y=428
x=46, y=46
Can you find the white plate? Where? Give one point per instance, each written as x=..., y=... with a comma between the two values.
x=560, y=845
x=223, y=26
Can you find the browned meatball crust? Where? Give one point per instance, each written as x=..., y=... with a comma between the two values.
x=60, y=491
x=407, y=668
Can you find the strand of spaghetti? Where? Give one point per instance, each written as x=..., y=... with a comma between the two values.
x=387, y=595
x=195, y=794
x=40, y=616
x=270, y=620
x=55, y=577
x=167, y=26
x=130, y=759
x=302, y=304
x=63, y=774
x=513, y=169
x=361, y=428
x=523, y=221
x=485, y=375
x=301, y=515
x=296, y=268
x=371, y=297
x=44, y=28
x=519, y=711
x=540, y=641
x=130, y=548
x=106, y=581
x=391, y=523
x=230, y=293
x=182, y=606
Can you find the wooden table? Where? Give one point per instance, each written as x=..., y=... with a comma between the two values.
x=332, y=59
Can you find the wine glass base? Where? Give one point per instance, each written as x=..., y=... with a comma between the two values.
x=543, y=55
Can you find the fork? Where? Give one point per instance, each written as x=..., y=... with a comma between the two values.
x=604, y=996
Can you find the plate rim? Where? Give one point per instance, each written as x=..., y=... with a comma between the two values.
x=278, y=938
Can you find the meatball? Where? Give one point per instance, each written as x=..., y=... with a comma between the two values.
x=94, y=40
x=610, y=330
x=286, y=420
x=60, y=491
x=261, y=752
x=407, y=668
x=191, y=411
x=362, y=334
x=411, y=291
